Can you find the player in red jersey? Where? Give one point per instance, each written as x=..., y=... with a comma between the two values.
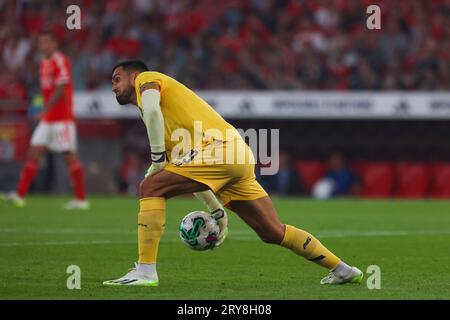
x=56, y=129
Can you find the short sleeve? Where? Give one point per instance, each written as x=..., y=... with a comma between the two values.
x=148, y=77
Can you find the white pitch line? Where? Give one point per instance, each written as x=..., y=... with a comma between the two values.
x=64, y=231
x=62, y=243
x=379, y=233
x=322, y=234
x=239, y=235
x=91, y=231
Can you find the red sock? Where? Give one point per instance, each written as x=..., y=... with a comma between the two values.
x=77, y=176
x=27, y=176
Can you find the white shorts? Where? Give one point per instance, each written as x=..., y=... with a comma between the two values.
x=57, y=136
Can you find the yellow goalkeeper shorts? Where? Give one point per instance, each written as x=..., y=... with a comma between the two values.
x=226, y=167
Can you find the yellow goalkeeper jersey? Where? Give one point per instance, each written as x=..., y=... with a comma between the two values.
x=187, y=117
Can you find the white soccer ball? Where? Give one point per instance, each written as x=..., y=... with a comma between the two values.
x=199, y=231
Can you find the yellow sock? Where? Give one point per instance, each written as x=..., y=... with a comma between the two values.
x=307, y=246
x=151, y=223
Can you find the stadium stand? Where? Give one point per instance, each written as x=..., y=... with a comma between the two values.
x=412, y=180
x=261, y=45
x=377, y=179
x=240, y=44
x=440, y=180
x=309, y=172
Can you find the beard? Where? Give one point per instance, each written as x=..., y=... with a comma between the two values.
x=125, y=97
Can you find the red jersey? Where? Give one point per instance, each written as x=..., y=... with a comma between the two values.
x=55, y=71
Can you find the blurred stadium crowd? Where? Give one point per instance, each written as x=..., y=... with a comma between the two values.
x=245, y=45
x=239, y=44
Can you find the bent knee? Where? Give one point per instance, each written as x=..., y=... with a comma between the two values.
x=150, y=187
x=271, y=239
x=272, y=235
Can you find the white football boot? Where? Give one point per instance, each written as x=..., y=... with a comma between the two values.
x=134, y=278
x=76, y=204
x=14, y=198
x=355, y=276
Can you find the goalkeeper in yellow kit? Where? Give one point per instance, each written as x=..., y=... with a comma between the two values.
x=194, y=150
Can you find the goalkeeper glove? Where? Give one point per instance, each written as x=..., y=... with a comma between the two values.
x=221, y=217
x=158, y=163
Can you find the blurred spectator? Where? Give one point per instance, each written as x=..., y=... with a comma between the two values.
x=16, y=49
x=241, y=44
x=132, y=172
x=286, y=182
x=339, y=180
x=12, y=95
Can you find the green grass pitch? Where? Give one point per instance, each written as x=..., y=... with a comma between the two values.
x=408, y=240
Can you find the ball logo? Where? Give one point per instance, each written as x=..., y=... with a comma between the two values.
x=199, y=231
